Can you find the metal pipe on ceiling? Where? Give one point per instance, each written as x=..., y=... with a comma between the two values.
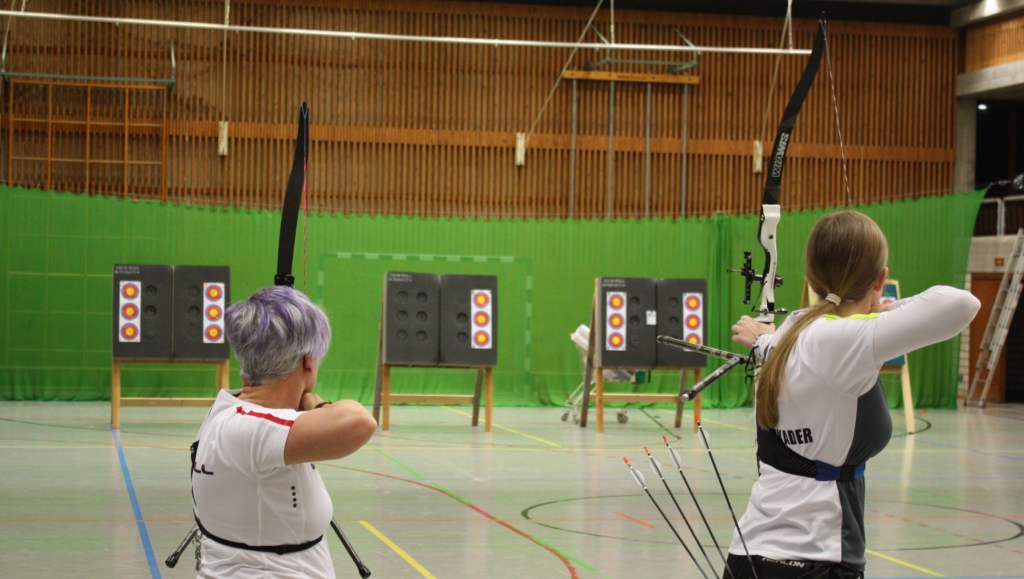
x=402, y=37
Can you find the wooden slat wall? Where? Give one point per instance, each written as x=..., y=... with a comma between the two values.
x=995, y=42
x=429, y=129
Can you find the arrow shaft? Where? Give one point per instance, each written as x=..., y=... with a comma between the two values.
x=714, y=467
x=674, y=532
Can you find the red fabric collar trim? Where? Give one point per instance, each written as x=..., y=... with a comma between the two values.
x=265, y=416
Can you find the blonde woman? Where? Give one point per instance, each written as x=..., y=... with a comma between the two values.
x=821, y=410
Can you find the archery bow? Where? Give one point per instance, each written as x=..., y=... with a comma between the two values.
x=294, y=200
x=771, y=210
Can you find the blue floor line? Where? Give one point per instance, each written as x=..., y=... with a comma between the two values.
x=154, y=569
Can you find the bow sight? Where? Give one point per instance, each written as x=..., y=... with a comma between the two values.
x=752, y=277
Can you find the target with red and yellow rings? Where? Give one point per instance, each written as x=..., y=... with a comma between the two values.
x=214, y=292
x=615, y=321
x=616, y=340
x=483, y=335
x=130, y=290
x=213, y=312
x=129, y=304
x=693, y=318
x=214, y=333
x=130, y=333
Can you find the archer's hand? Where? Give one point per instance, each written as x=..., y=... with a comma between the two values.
x=309, y=401
x=747, y=330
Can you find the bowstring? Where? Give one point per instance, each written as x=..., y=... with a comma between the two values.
x=305, y=213
x=839, y=129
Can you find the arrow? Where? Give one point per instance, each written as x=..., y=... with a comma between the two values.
x=640, y=481
x=657, y=471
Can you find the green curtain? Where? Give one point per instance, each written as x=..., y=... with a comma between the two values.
x=57, y=252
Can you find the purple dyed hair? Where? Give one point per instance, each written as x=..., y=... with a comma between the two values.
x=273, y=330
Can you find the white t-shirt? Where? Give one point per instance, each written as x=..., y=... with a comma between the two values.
x=243, y=492
x=832, y=409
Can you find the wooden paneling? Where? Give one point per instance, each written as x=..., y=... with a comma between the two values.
x=994, y=42
x=429, y=129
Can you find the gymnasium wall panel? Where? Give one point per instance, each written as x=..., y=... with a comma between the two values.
x=57, y=251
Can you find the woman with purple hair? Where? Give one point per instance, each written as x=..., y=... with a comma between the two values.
x=260, y=504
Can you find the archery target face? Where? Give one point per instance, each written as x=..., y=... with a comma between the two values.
x=886, y=300
x=129, y=325
x=481, y=314
x=693, y=318
x=615, y=321
x=213, y=313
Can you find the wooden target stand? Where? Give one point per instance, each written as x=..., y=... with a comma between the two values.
x=116, y=401
x=596, y=373
x=892, y=287
x=383, y=398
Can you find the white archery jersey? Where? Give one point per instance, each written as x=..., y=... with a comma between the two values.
x=832, y=409
x=243, y=492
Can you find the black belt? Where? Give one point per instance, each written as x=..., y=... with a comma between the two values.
x=278, y=549
x=776, y=454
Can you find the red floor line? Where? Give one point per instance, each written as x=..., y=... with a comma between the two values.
x=634, y=520
x=568, y=565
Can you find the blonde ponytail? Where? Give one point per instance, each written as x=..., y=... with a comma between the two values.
x=846, y=254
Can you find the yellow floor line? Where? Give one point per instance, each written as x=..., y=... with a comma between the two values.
x=703, y=420
x=397, y=549
x=904, y=563
x=509, y=429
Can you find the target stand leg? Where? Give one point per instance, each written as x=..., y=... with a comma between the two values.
x=476, y=396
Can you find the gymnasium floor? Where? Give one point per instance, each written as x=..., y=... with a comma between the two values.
x=537, y=498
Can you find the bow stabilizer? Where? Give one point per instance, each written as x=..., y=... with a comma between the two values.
x=771, y=210
x=293, y=202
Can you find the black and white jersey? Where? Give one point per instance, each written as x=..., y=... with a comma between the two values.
x=832, y=409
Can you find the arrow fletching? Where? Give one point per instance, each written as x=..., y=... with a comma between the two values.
x=639, y=477
x=704, y=438
x=654, y=464
x=675, y=457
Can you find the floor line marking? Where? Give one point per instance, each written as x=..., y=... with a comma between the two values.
x=415, y=564
x=564, y=557
x=634, y=520
x=154, y=569
x=703, y=420
x=948, y=498
x=418, y=475
x=904, y=563
x=972, y=450
x=509, y=429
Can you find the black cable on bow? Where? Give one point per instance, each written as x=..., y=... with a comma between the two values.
x=293, y=202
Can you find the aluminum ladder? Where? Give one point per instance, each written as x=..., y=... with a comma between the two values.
x=998, y=324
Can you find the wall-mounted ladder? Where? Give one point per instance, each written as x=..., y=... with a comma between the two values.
x=998, y=324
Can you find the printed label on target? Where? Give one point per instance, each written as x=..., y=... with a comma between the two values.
x=693, y=318
x=481, y=314
x=129, y=305
x=213, y=313
x=615, y=321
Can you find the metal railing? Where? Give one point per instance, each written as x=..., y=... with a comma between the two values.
x=1001, y=211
